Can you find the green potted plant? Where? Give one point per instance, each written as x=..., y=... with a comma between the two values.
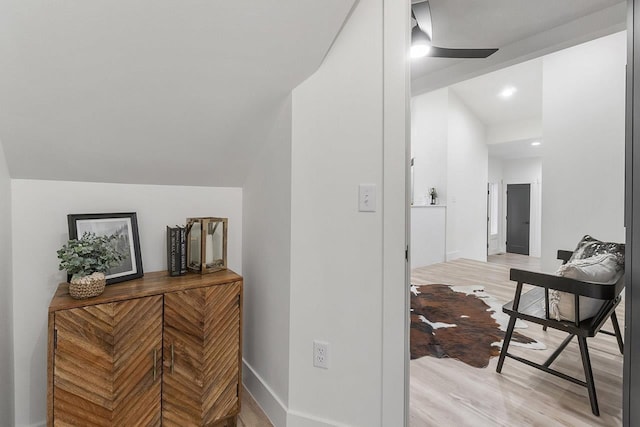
x=86, y=260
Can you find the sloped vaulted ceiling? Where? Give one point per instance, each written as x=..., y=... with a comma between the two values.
x=522, y=29
x=151, y=91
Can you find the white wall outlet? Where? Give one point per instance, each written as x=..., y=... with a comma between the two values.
x=321, y=354
x=367, y=197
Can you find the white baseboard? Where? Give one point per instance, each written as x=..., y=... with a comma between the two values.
x=264, y=396
x=298, y=419
x=274, y=408
x=453, y=255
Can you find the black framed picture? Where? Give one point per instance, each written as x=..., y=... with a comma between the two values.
x=123, y=225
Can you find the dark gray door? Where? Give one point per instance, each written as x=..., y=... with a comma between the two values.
x=518, y=211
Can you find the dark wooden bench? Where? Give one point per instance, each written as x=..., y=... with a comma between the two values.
x=533, y=306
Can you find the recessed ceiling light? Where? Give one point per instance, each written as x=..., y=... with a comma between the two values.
x=535, y=143
x=508, y=92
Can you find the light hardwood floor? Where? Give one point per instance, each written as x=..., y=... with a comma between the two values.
x=251, y=414
x=446, y=392
x=522, y=262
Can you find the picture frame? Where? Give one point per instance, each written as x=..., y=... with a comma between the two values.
x=125, y=225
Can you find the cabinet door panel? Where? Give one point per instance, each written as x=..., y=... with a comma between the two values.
x=103, y=364
x=202, y=329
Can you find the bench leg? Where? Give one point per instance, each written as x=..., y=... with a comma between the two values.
x=616, y=329
x=559, y=350
x=505, y=343
x=586, y=363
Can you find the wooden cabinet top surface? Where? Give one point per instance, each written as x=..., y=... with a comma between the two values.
x=154, y=283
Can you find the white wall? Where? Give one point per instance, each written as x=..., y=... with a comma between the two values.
x=336, y=251
x=495, y=170
x=584, y=134
x=301, y=201
x=39, y=222
x=467, y=175
x=526, y=171
x=266, y=252
x=448, y=143
x=6, y=300
x=429, y=133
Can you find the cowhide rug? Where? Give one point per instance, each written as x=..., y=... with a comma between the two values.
x=460, y=322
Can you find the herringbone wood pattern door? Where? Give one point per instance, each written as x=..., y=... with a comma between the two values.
x=104, y=368
x=201, y=355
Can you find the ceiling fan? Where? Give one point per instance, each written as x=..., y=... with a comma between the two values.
x=421, y=36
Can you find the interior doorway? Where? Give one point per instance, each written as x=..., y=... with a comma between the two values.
x=518, y=218
x=440, y=129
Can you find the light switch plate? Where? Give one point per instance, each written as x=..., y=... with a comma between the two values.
x=367, y=197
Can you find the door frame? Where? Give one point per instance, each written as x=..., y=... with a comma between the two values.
x=498, y=194
x=506, y=217
x=396, y=211
x=534, y=218
x=488, y=233
x=631, y=371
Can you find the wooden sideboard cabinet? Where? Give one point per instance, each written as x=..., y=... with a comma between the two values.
x=154, y=351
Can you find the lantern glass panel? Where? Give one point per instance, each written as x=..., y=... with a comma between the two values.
x=195, y=238
x=215, y=244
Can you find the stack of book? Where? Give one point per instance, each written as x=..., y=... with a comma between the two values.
x=176, y=250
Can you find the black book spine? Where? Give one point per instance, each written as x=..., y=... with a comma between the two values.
x=183, y=250
x=177, y=251
x=172, y=252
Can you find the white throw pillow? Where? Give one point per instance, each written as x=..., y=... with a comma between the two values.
x=602, y=269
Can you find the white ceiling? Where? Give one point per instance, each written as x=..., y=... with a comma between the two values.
x=151, y=91
x=517, y=149
x=521, y=29
x=168, y=92
x=481, y=94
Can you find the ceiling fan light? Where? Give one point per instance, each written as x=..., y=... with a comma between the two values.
x=420, y=43
x=419, y=50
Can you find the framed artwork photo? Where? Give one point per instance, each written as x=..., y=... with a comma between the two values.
x=123, y=225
